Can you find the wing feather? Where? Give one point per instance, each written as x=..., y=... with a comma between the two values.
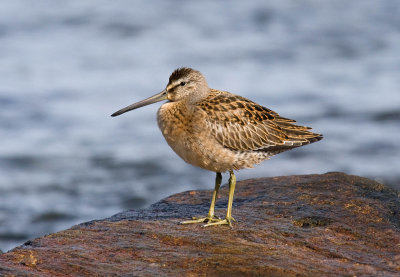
x=242, y=125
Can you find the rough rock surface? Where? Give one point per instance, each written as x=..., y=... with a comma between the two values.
x=314, y=225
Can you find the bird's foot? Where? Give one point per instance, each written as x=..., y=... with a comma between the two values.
x=226, y=221
x=207, y=219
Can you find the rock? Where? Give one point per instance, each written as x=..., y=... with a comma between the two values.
x=313, y=225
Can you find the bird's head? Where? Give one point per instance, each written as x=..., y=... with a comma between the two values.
x=185, y=84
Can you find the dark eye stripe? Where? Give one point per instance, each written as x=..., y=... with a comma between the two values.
x=174, y=87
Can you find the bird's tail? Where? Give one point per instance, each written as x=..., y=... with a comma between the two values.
x=297, y=135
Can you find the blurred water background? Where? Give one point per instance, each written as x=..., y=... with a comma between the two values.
x=65, y=66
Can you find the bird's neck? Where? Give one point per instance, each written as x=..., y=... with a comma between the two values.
x=198, y=96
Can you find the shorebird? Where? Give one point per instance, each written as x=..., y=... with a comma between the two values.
x=220, y=131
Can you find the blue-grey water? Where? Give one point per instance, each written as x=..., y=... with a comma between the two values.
x=65, y=66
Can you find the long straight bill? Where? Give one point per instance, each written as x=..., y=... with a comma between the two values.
x=153, y=99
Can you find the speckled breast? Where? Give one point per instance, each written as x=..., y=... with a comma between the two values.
x=190, y=141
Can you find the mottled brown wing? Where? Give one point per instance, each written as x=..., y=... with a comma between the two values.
x=242, y=125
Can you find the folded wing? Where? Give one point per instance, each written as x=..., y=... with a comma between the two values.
x=242, y=125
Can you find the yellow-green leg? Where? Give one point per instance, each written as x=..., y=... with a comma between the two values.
x=228, y=220
x=211, y=216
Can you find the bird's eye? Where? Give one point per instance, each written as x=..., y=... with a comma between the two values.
x=183, y=83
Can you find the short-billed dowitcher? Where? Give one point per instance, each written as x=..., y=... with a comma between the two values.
x=220, y=131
